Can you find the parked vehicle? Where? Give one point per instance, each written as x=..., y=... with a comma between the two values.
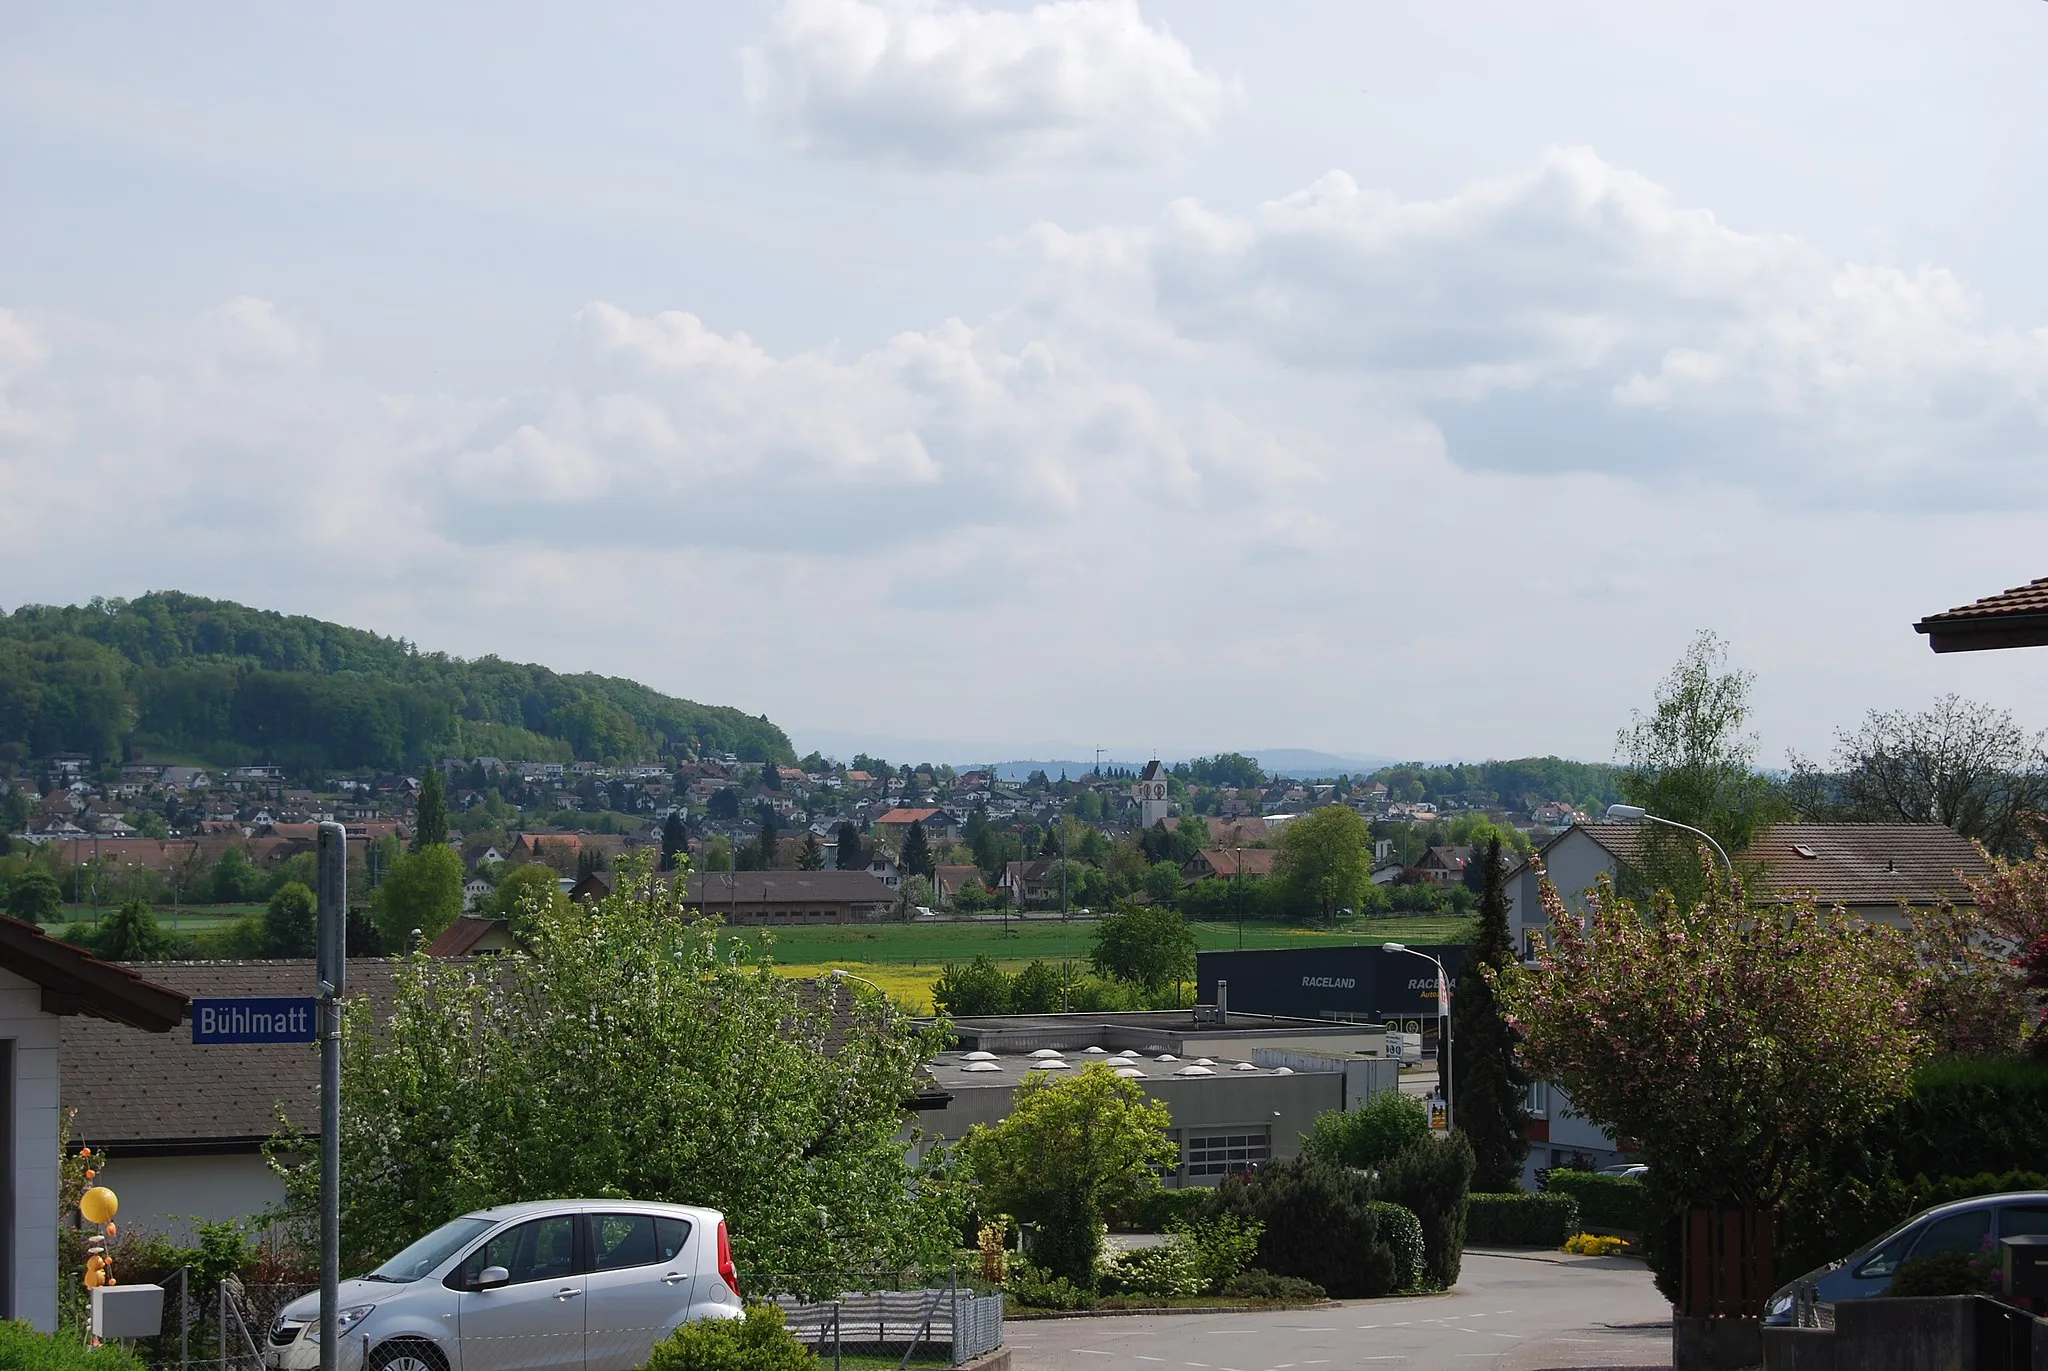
x=560, y=1285
x=1631, y=1170
x=1963, y=1226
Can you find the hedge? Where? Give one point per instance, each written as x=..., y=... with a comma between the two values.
x=1402, y=1232
x=1517, y=1220
x=1430, y=1178
x=1317, y=1224
x=1609, y=1202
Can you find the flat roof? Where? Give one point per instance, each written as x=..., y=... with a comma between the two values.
x=963, y=1069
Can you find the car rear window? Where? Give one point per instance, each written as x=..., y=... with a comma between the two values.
x=2018, y=1220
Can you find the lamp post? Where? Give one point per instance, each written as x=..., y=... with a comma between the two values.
x=1637, y=814
x=1443, y=1015
x=840, y=973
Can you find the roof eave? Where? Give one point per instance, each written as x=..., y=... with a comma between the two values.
x=1986, y=634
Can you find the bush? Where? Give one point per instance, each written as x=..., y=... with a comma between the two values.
x=1518, y=1220
x=1596, y=1245
x=1317, y=1224
x=1431, y=1179
x=1376, y=1132
x=1161, y=1211
x=24, y=1349
x=1403, y=1234
x=1170, y=1271
x=1604, y=1201
x=1264, y=1285
x=1222, y=1247
x=758, y=1342
x=1037, y=1288
x=1943, y=1273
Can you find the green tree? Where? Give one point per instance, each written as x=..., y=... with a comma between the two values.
x=233, y=880
x=132, y=934
x=628, y=1054
x=675, y=839
x=1148, y=945
x=812, y=857
x=430, y=818
x=852, y=854
x=527, y=895
x=765, y=845
x=971, y=989
x=1689, y=760
x=421, y=896
x=35, y=898
x=916, y=859
x=1486, y=1078
x=1162, y=882
x=291, y=922
x=1070, y=1151
x=1324, y=863
x=1371, y=1135
x=718, y=853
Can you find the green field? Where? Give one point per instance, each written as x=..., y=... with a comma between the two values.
x=205, y=918
x=931, y=943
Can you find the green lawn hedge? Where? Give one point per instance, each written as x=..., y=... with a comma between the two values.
x=1616, y=1202
x=1540, y=1220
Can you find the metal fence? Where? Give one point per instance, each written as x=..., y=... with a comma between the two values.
x=896, y=1317
x=221, y=1327
x=866, y=1317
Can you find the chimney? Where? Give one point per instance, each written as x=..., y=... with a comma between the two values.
x=1223, y=1002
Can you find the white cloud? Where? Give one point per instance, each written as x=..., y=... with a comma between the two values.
x=941, y=84
x=1575, y=316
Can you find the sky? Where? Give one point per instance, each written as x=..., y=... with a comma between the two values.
x=1381, y=378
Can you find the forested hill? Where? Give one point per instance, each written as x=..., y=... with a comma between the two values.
x=173, y=675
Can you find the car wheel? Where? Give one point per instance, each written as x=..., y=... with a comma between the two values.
x=404, y=1355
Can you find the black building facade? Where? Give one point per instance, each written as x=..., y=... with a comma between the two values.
x=1359, y=982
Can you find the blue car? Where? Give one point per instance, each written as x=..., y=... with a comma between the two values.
x=1964, y=1226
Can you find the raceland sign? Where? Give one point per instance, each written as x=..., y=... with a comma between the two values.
x=1329, y=983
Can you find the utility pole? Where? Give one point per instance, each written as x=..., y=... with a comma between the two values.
x=333, y=973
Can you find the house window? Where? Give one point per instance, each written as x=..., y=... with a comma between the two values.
x=1226, y=1154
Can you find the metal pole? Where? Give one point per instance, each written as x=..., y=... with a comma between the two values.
x=333, y=971
x=222, y=1303
x=184, y=1316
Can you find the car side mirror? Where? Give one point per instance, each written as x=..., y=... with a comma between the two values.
x=491, y=1277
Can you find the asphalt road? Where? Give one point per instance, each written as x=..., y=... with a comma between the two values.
x=1506, y=1314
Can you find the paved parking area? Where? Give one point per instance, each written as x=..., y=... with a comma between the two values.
x=1506, y=1314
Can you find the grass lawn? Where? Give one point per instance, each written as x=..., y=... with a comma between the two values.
x=904, y=959
x=205, y=918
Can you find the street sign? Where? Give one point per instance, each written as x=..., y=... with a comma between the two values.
x=255, y=1019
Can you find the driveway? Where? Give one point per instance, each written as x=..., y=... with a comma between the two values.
x=1506, y=1314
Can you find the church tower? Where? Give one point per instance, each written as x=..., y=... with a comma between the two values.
x=1150, y=793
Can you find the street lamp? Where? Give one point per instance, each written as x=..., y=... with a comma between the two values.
x=840, y=973
x=1637, y=814
x=1443, y=1015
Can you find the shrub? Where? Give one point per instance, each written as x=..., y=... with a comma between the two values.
x=1943, y=1273
x=758, y=1342
x=1264, y=1285
x=1161, y=1211
x=24, y=1349
x=1604, y=1201
x=1317, y=1223
x=1170, y=1270
x=1222, y=1247
x=1037, y=1288
x=1374, y=1133
x=1431, y=1179
x=1596, y=1245
x=1518, y=1220
x=1403, y=1233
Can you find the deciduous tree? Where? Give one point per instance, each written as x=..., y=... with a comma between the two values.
x=1069, y=1151
x=291, y=922
x=1149, y=945
x=628, y=1054
x=1324, y=863
x=421, y=895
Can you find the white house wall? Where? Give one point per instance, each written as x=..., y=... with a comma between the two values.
x=34, y=1034
x=166, y=1195
x=1575, y=864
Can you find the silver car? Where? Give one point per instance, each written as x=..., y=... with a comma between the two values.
x=1967, y=1226
x=565, y=1285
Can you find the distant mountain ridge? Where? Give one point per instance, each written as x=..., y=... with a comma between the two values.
x=177, y=674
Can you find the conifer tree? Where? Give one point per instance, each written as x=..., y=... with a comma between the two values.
x=430, y=827
x=1488, y=1084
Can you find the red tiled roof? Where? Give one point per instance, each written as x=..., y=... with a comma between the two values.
x=73, y=981
x=458, y=938
x=1251, y=861
x=1852, y=864
x=2011, y=618
x=906, y=816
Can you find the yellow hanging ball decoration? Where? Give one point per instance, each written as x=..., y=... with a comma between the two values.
x=98, y=1205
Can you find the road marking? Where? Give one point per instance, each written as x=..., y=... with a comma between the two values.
x=1142, y=1357
x=1091, y=1352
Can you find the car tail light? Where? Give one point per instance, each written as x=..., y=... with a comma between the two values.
x=727, y=1272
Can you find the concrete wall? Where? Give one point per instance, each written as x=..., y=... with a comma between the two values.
x=166, y=1194
x=34, y=1036
x=1284, y=1105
